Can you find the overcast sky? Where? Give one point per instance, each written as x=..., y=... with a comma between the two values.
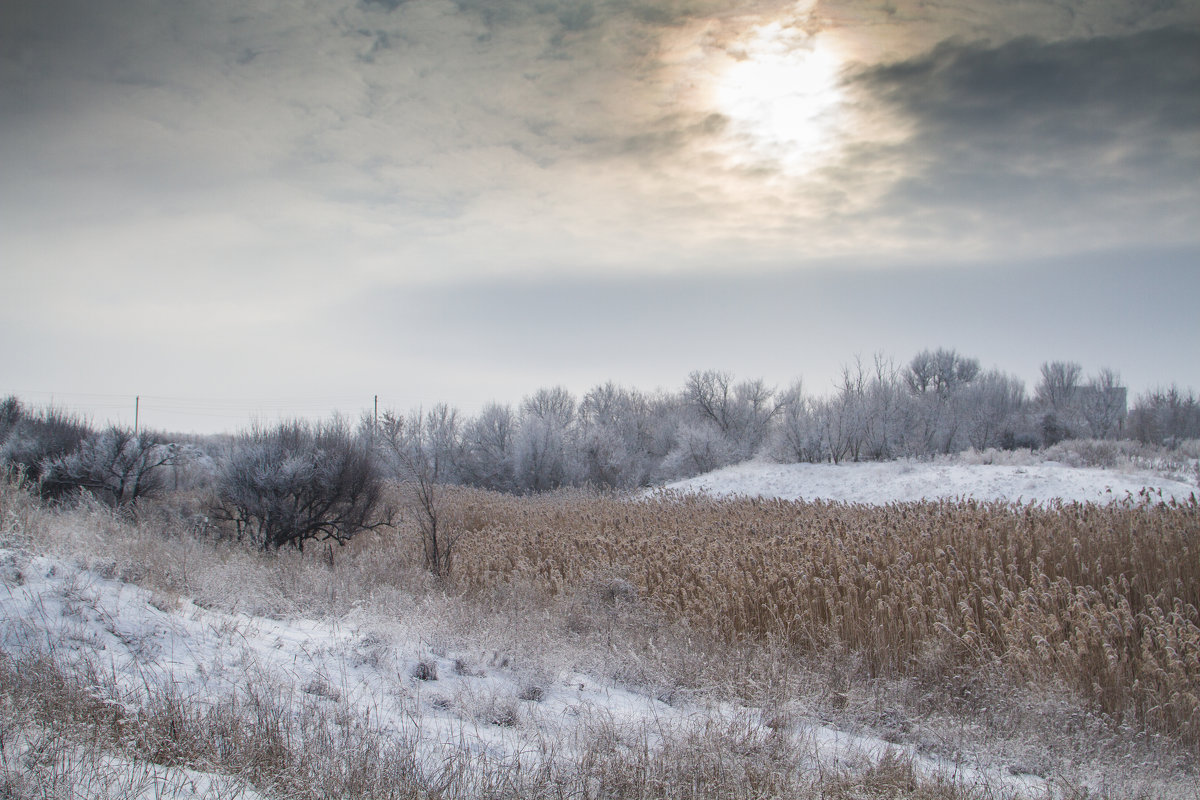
x=296, y=206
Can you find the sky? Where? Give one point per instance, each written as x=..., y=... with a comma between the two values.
x=255, y=206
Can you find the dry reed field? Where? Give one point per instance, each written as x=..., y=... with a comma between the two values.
x=1101, y=600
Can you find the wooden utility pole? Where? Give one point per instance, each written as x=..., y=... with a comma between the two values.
x=136, y=402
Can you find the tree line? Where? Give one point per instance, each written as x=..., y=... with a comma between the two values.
x=300, y=481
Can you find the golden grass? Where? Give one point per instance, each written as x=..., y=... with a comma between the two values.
x=1100, y=599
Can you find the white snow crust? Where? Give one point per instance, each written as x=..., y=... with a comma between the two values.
x=880, y=483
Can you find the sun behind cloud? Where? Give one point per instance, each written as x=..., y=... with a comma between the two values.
x=782, y=97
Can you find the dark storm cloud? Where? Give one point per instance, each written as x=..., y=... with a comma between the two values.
x=1039, y=134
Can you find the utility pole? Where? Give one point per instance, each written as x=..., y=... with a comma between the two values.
x=136, y=402
x=375, y=427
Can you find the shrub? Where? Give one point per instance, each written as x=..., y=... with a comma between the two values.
x=116, y=466
x=29, y=440
x=296, y=482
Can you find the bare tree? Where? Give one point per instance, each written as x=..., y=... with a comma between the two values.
x=741, y=413
x=1166, y=416
x=798, y=437
x=709, y=395
x=424, y=450
x=991, y=407
x=935, y=379
x=488, y=449
x=1103, y=403
x=116, y=466
x=1059, y=384
x=940, y=372
x=545, y=447
x=295, y=482
x=32, y=440
x=617, y=437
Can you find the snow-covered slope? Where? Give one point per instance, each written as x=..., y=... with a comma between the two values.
x=486, y=703
x=903, y=481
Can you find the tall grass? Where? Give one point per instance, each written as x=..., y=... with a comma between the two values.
x=1100, y=599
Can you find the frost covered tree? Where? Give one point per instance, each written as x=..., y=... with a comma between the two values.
x=116, y=466
x=697, y=448
x=740, y=414
x=940, y=372
x=1165, y=416
x=617, y=437
x=991, y=409
x=298, y=482
x=30, y=440
x=488, y=449
x=1059, y=385
x=1057, y=393
x=545, y=451
x=935, y=380
x=1102, y=402
x=864, y=418
x=798, y=438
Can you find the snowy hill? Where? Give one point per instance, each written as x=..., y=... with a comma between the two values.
x=879, y=483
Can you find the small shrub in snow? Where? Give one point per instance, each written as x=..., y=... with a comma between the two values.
x=504, y=714
x=532, y=693
x=425, y=670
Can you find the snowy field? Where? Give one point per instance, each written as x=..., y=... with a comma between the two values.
x=879, y=483
x=497, y=705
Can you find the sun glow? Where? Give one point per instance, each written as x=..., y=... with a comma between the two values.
x=782, y=96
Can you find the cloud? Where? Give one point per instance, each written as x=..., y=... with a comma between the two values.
x=1094, y=140
x=464, y=136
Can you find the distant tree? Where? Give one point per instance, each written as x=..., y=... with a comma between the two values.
x=1058, y=395
x=1059, y=384
x=866, y=410
x=940, y=372
x=699, y=447
x=709, y=395
x=489, y=450
x=884, y=399
x=617, y=437
x=1165, y=416
x=992, y=406
x=798, y=437
x=116, y=466
x=545, y=450
x=742, y=414
x=1103, y=403
x=298, y=482
x=935, y=380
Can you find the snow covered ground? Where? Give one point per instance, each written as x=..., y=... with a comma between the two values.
x=492, y=704
x=878, y=483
